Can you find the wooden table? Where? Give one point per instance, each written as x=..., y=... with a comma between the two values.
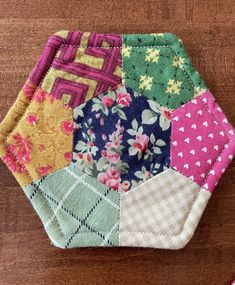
x=27, y=257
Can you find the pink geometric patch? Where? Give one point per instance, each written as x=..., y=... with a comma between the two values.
x=202, y=141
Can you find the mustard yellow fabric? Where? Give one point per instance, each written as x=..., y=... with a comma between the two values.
x=36, y=135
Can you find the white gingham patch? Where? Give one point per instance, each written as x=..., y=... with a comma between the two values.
x=162, y=212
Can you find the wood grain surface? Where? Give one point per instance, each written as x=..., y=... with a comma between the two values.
x=26, y=255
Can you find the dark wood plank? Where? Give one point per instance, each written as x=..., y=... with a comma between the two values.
x=27, y=257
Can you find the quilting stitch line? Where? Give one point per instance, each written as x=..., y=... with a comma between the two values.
x=113, y=229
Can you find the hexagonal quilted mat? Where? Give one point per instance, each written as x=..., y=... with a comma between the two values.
x=116, y=140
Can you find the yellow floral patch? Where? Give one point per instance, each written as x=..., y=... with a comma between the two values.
x=173, y=86
x=41, y=140
x=126, y=51
x=178, y=61
x=198, y=90
x=152, y=55
x=146, y=82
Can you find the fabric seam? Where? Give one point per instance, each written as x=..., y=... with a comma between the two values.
x=152, y=232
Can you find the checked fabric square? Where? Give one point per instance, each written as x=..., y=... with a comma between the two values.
x=158, y=210
x=116, y=140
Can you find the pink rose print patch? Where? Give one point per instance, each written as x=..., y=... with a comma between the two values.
x=202, y=141
x=121, y=138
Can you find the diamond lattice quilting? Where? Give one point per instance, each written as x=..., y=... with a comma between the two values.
x=75, y=209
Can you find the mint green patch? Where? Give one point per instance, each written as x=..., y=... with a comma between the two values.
x=157, y=66
x=76, y=210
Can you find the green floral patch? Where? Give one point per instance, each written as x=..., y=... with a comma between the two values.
x=158, y=66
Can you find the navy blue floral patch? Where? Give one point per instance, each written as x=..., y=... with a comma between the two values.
x=122, y=138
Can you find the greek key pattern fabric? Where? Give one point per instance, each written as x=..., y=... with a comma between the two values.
x=87, y=67
x=116, y=140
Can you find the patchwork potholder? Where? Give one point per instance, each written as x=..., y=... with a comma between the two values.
x=116, y=140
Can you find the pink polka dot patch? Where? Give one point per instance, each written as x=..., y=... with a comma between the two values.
x=202, y=141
